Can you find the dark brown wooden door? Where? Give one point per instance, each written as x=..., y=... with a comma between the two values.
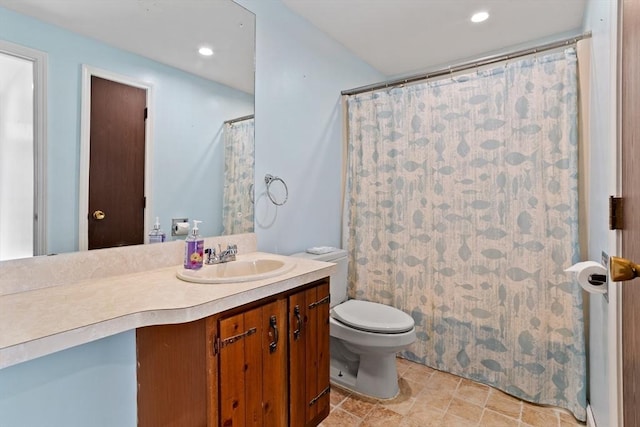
x=630, y=135
x=116, y=164
x=253, y=367
x=309, y=355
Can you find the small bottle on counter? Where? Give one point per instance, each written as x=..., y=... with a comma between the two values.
x=157, y=235
x=193, y=249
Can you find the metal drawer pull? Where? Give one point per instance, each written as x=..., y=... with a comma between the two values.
x=298, y=330
x=324, y=300
x=273, y=324
x=322, y=393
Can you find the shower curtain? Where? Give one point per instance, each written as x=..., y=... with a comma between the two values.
x=461, y=209
x=239, y=161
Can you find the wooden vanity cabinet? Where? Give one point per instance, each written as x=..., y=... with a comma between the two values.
x=252, y=348
x=174, y=375
x=262, y=364
x=309, y=355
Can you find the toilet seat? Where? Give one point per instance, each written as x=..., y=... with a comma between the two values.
x=372, y=317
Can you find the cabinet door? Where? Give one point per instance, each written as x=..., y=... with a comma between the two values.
x=253, y=370
x=172, y=384
x=309, y=355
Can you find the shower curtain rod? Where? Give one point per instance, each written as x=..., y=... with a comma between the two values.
x=239, y=119
x=487, y=60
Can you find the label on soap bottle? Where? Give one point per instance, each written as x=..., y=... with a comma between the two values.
x=194, y=252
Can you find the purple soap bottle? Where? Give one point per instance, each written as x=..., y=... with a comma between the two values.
x=193, y=248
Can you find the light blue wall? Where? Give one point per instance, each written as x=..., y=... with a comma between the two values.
x=188, y=155
x=300, y=73
x=601, y=20
x=91, y=385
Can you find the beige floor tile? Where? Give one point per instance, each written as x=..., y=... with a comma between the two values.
x=410, y=388
x=538, y=416
x=337, y=395
x=504, y=395
x=400, y=406
x=441, y=380
x=402, y=365
x=494, y=419
x=472, y=392
x=432, y=398
x=466, y=410
x=340, y=418
x=381, y=417
x=504, y=404
x=568, y=420
x=358, y=405
x=418, y=373
x=450, y=420
x=427, y=415
x=405, y=399
x=413, y=422
x=437, y=399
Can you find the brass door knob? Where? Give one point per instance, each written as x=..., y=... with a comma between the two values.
x=98, y=215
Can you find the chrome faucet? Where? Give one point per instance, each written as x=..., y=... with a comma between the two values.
x=227, y=255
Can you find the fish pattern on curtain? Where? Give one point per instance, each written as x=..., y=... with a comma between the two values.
x=239, y=162
x=461, y=209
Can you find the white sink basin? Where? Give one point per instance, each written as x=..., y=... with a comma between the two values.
x=236, y=271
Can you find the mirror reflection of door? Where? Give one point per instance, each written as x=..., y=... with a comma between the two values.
x=116, y=164
x=21, y=154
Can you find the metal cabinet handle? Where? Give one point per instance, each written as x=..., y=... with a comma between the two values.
x=98, y=215
x=298, y=330
x=273, y=324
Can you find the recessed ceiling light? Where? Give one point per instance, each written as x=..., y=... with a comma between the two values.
x=205, y=51
x=479, y=17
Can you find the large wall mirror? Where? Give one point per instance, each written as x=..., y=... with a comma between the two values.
x=200, y=163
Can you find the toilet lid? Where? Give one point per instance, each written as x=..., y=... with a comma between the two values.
x=372, y=317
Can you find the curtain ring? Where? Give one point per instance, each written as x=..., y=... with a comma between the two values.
x=268, y=180
x=252, y=196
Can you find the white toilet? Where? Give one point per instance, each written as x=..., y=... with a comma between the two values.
x=365, y=336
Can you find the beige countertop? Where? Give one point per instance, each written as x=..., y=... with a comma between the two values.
x=42, y=321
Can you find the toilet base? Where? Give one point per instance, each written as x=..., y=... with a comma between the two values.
x=342, y=377
x=376, y=375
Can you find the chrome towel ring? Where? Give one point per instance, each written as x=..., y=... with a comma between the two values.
x=270, y=179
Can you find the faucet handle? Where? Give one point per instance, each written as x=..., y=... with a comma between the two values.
x=211, y=256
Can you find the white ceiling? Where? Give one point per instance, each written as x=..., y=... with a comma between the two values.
x=397, y=37
x=167, y=31
x=400, y=37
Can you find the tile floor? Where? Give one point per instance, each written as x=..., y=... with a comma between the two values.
x=430, y=398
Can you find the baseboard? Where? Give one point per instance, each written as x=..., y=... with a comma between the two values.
x=591, y=421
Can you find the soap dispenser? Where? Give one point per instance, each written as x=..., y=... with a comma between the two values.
x=157, y=235
x=193, y=248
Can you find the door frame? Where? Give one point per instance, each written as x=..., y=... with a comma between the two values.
x=39, y=61
x=85, y=147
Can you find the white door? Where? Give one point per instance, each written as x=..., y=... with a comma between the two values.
x=22, y=152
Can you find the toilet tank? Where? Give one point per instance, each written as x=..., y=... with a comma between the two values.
x=338, y=280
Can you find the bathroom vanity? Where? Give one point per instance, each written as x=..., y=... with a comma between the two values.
x=248, y=353
x=265, y=364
